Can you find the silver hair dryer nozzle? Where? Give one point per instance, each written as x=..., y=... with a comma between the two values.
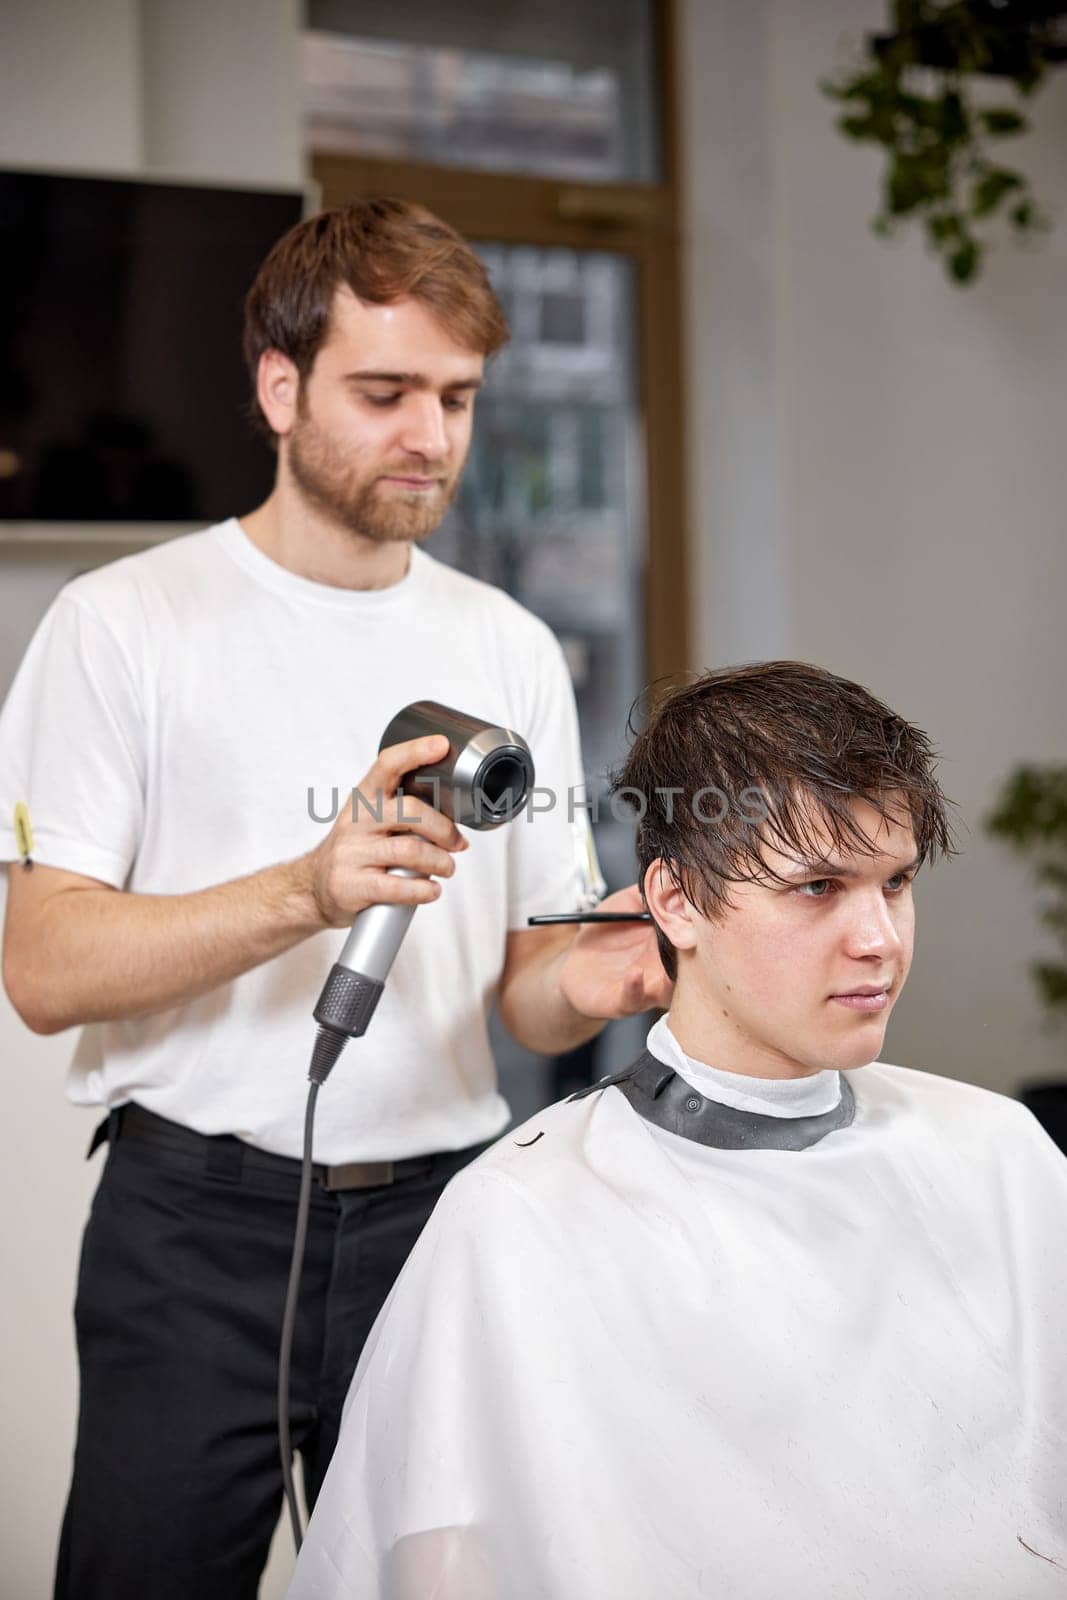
x=482, y=782
x=485, y=777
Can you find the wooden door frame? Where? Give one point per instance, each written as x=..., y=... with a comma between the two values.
x=640, y=221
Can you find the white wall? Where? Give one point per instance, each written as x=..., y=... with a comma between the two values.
x=880, y=477
x=740, y=600
x=188, y=89
x=222, y=90
x=70, y=85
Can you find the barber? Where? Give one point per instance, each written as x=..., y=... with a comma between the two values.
x=177, y=732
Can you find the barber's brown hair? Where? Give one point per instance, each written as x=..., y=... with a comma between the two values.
x=381, y=249
x=783, y=747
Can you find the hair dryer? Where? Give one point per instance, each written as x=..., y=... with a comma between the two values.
x=482, y=783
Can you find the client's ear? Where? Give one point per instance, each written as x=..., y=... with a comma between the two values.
x=670, y=910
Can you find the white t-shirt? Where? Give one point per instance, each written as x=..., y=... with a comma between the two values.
x=177, y=718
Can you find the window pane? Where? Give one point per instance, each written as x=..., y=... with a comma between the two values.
x=579, y=108
x=551, y=508
x=550, y=504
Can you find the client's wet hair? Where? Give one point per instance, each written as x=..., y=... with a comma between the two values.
x=784, y=748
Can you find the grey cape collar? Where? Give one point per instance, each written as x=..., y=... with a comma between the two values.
x=658, y=1094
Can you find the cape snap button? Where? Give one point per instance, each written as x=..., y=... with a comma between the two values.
x=693, y=1103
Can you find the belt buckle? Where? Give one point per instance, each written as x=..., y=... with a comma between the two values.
x=358, y=1175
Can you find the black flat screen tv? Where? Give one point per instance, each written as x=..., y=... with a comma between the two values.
x=123, y=393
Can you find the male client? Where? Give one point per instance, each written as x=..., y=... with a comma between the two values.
x=761, y=1316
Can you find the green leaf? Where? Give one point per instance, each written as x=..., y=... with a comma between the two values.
x=955, y=124
x=963, y=262
x=1032, y=807
x=1001, y=122
x=990, y=190
x=858, y=127
x=942, y=227
x=1052, y=981
x=914, y=180
x=870, y=86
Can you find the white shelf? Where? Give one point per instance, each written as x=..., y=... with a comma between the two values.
x=27, y=535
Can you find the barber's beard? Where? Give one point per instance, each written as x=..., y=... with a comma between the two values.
x=358, y=500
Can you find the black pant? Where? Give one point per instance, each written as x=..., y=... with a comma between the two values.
x=177, y=1480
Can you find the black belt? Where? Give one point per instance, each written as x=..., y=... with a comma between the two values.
x=225, y=1156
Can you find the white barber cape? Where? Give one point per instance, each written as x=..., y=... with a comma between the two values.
x=620, y=1365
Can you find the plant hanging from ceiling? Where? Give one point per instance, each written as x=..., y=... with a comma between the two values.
x=913, y=93
x=1031, y=814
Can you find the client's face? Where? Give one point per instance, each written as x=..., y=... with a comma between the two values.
x=800, y=976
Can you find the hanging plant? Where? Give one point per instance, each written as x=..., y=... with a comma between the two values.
x=914, y=95
x=1031, y=814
